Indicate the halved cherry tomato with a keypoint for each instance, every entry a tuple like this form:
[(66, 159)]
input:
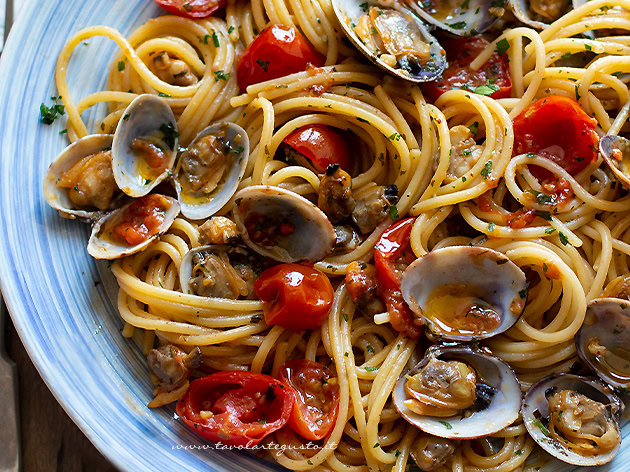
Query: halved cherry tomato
[(191, 8), (558, 129), (294, 296), (142, 219), (316, 397), (321, 145), (460, 53), (392, 255), (236, 408), (276, 52)]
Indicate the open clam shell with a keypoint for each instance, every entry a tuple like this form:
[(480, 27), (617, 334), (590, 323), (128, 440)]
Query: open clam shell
[(501, 411), (58, 197), (210, 170), (616, 152), (536, 411), (283, 225), (465, 293), (457, 17), (540, 13), (145, 145), (392, 37), (106, 243), (603, 341)]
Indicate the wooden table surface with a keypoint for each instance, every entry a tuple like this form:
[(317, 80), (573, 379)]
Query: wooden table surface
[(51, 442)]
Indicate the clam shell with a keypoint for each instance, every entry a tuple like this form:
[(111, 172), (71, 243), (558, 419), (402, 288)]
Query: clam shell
[(502, 411), (143, 117), (100, 246), (497, 281), (607, 319), (209, 204), (535, 406), (313, 237), (521, 10), (349, 11), (609, 146), (57, 197), (463, 19)]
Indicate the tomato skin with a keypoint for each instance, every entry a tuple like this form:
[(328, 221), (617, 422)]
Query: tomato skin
[(193, 9), (520, 218), (556, 128), (460, 53), (311, 380), (246, 407), (321, 145), (393, 250), (294, 296), (142, 219), (284, 50)]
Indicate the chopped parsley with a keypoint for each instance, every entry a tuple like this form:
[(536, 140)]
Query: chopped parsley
[(263, 64), (364, 6), (474, 127), (550, 230), (170, 134), (230, 29), (345, 317), (121, 66), (541, 427), (371, 369), (563, 238), (485, 172), (238, 150), (502, 46), (486, 89), (220, 75), (215, 39), (523, 293), (369, 349), (446, 425), (50, 114), (394, 137), (457, 26), (393, 212), (491, 226)]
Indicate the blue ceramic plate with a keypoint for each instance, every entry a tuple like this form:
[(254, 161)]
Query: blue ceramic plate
[(62, 301)]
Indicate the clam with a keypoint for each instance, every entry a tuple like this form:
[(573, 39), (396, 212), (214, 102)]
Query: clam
[(574, 419), (457, 17), (66, 185), (541, 13), (145, 145), (282, 225), (603, 341), (458, 392), (132, 227), (392, 37), (220, 271), (210, 170), (465, 293), (616, 152)]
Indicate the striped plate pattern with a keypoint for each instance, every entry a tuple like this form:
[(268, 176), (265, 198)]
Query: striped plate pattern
[(63, 302)]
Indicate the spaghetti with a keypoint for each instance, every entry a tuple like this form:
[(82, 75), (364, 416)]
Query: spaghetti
[(570, 251)]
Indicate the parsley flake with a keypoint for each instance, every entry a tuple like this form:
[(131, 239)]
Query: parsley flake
[(263, 64), (502, 46)]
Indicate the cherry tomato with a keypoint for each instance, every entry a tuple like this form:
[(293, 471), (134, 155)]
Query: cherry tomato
[(460, 53), (392, 255), (316, 396), (558, 129), (321, 145), (142, 219), (520, 218), (294, 296), (236, 408), (191, 8), (276, 52)]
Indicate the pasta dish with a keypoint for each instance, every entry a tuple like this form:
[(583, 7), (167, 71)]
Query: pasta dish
[(372, 234)]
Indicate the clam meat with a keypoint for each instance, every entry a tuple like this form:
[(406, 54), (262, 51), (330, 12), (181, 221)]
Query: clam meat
[(210, 169), (392, 37), (603, 341), (574, 419), (458, 392), (220, 271), (283, 225), (465, 293), (540, 13), (80, 182)]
